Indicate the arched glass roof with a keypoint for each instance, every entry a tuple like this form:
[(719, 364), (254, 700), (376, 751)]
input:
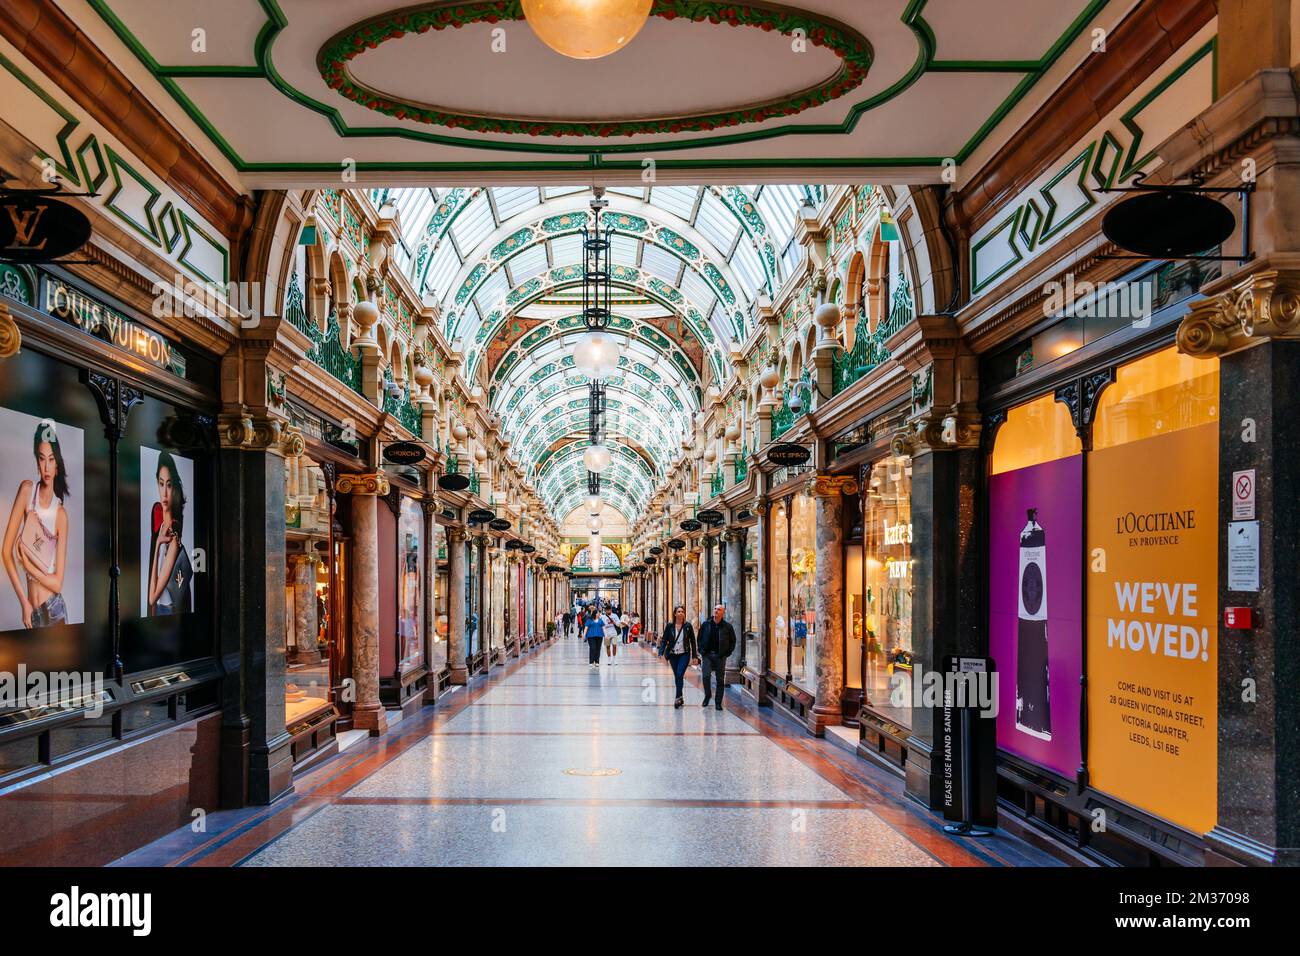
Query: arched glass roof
[(689, 263)]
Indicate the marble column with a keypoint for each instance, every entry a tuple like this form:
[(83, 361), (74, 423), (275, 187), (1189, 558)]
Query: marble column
[(733, 594), (457, 612), (256, 755), (517, 601), (828, 492), (304, 609), (367, 711)]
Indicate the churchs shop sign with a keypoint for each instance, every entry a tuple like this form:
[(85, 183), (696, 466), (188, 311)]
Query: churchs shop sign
[(77, 307)]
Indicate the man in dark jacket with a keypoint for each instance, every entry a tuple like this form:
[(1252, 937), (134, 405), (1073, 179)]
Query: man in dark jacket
[(717, 640), (679, 649)]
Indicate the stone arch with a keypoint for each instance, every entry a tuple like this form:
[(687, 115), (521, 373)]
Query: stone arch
[(876, 291), (853, 296)]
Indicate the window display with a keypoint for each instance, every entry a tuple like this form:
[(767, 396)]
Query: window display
[(886, 597), (853, 616), (778, 614), (751, 617), (803, 592), (410, 592), (1035, 565), (441, 600), (1153, 615)]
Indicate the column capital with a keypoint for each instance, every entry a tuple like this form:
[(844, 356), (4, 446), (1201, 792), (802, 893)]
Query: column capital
[(456, 535), (297, 560), (739, 534), (832, 486), (11, 337), (1263, 305), (250, 432), (368, 484), (430, 506)]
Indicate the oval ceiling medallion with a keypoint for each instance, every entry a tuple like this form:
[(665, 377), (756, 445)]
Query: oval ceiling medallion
[(844, 53)]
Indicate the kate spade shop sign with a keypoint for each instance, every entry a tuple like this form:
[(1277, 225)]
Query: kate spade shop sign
[(77, 307)]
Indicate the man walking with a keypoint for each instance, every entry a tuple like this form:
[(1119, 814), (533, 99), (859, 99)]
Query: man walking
[(716, 642)]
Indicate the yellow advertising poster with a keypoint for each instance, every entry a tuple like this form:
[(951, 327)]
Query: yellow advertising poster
[(1152, 541)]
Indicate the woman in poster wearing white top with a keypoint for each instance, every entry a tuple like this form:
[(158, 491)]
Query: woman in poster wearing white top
[(36, 536)]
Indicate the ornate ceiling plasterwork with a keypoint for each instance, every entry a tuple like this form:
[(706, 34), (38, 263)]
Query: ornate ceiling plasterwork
[(287, 88), (851, 48)]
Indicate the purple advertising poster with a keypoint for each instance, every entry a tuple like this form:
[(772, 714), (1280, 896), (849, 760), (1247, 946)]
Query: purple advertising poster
[(1035, 629)]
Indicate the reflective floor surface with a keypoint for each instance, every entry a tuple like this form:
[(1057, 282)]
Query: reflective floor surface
[(548, 762)]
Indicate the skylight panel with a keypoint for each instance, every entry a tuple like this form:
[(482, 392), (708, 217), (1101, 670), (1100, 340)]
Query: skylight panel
[(624, 250), (530, 262), (554, 192), (566, 251), (678, 200), (442, 269), (473, 226), (660, 263), (748, 267), (697, 290), (717, 223), (513, 200)]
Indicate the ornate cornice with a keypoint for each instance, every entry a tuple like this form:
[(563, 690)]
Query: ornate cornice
[(11, 337), (1264, 305), (368, 484), (832, 486)]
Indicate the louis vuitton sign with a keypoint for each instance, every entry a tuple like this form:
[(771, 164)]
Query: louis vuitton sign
[(76, 307)]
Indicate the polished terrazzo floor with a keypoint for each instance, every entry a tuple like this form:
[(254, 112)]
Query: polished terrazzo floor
[(548, 762)]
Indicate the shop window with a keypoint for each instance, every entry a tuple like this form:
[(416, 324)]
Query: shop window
[(1152, 622), (886, 597), (854, 619), (410, 589), (308, 603), (441, 600), (778, 614), (803, 592), (1034, 567)]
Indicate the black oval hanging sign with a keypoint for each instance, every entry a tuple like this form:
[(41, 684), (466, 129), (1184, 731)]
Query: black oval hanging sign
[(711, 516), (499, 524), (787, 454), (480, 515), (690, 524), (1169, 224), (677, 544), (453, 481), (37, 228), (528, 548), (404, 453)]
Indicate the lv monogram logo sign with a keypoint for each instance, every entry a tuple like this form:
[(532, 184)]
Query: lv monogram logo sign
[(37, 228)]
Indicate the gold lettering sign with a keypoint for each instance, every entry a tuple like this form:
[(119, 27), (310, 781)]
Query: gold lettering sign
[(94, 318)]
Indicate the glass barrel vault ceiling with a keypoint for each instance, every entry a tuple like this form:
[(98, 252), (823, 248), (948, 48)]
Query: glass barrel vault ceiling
[(689, 263)]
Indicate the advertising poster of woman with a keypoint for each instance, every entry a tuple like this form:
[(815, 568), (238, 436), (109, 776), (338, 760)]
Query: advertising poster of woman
[(166, 533), (41, 480), (409, 534)]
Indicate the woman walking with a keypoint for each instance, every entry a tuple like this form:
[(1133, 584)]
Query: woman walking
[(678, 648), (594, 629)]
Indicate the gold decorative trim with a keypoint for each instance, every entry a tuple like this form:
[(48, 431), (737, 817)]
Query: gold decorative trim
[(832, 486), (11, 337), (234, 431), (292, 443), (1264, 305), (370, 484), (298, 559)]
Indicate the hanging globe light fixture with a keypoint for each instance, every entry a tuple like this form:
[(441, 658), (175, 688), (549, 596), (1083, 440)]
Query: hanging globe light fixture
[(594, 523), (596, 354), (596, 458), (593, 502), (586, 29)]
